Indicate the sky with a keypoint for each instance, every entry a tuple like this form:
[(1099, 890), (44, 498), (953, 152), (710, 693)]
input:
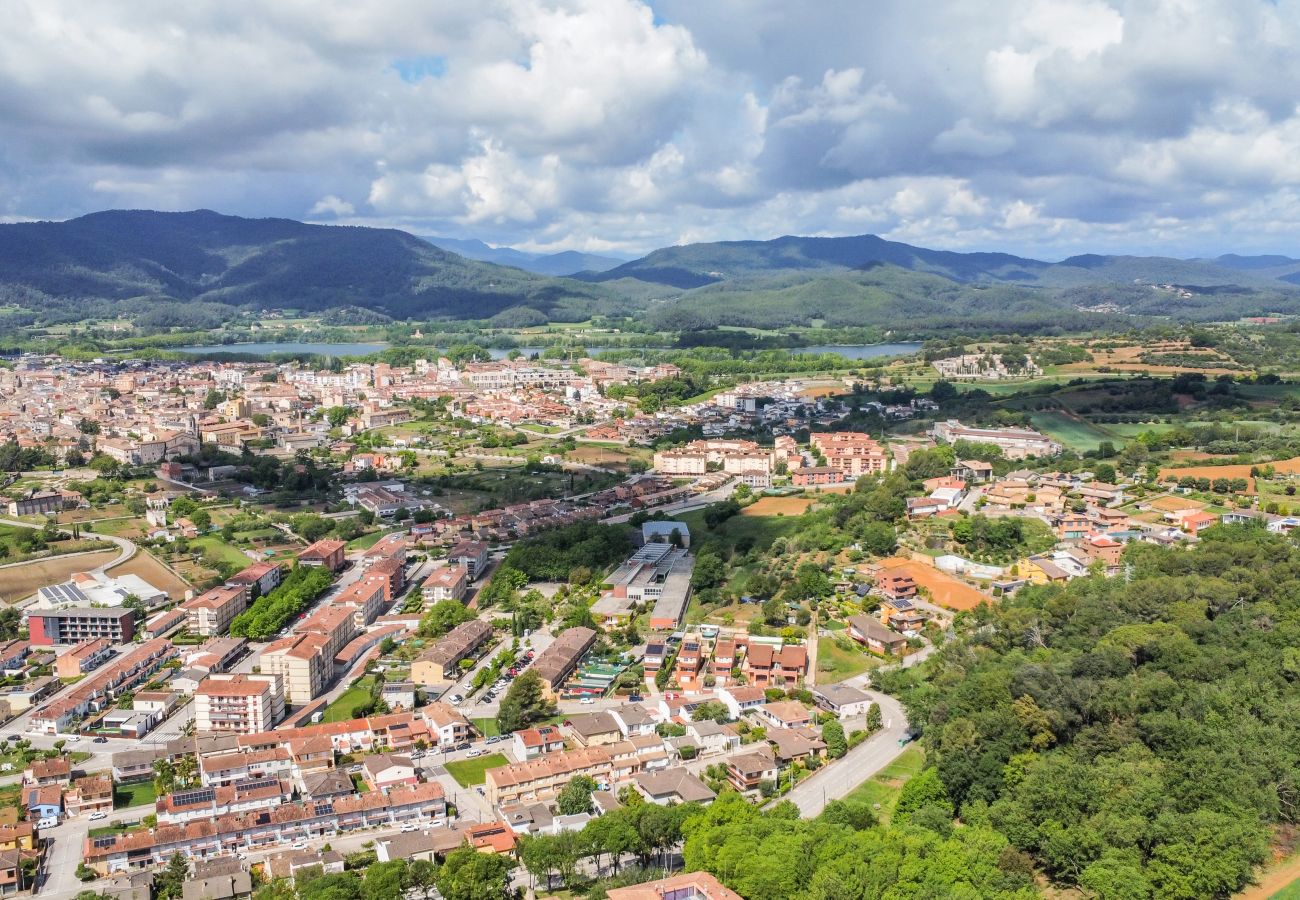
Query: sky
[(1040, 127)]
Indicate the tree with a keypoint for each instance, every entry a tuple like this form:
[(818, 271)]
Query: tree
[(202, 519), (169, 883), (337, 415), (443, 616), (384, 880), (855, 814), (836, 743), (575, 797), (470, 875), (878, 538), (523, 704), (875, 720)]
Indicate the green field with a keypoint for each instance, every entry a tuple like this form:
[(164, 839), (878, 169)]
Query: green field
[(220, 550), (486, 727), (885, 785), (1076, 434), (836, 664), (469, 772), (125, 795), (341, 709), (757, 531)]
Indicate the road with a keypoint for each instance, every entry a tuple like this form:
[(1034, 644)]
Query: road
[(126, 549), (691, 503), (838, 779)]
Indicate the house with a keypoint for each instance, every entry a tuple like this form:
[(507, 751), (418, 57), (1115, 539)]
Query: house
[(327, 784), (687, 886), (44, 802), (383, 771), (792, 744), (896, 584), (11, 873), (739, 699), (785, 714), (766, 666), (41, 772), (634, 719), (324, 553), (398, 694), (842, 699), (288, 863), (746, 771), (91, 793), (973, 471), (83, 658), (711, 738), (231, 886), (533, 742), (877, 638), (902, 615), (1196, 522), (675, 785), (590, 729), (446, 723)]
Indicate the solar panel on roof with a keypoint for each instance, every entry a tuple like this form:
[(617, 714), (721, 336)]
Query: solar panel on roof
[(186, 798)]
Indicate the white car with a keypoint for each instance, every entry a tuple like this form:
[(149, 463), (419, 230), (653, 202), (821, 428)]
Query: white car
[(300, 845), (477, 751), (73, 738), (408, 827), (587, 701), (96, 816)]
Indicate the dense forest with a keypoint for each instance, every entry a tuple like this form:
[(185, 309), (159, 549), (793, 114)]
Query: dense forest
[(1137, 736)]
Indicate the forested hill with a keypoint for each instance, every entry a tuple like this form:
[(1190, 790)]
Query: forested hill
[(272, 263), (1136, 736), (697, 265)]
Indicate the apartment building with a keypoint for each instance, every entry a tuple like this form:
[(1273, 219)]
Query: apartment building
[(83, 658), (472, 555), (336, 623), (303, 663), (851, 452), (241, 704), (557, 662), (441, 662), (364, 600), (325, 553), (257, 831), (544, 777), (390, 574), (57, 627), (446, 583), (261, 578), (211, 613), (449, 725)]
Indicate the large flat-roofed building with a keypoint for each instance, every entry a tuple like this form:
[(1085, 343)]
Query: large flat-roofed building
[(238, 704), (557, 662), (441, 662), (1015, 443), (74, 626), (98, 589), (657, 573)]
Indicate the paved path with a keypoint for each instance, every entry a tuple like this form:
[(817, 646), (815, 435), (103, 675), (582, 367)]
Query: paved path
[(839, 778), (126, 549)]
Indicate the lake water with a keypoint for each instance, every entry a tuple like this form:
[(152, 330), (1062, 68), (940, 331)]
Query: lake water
[(270, 347), (864, 351)]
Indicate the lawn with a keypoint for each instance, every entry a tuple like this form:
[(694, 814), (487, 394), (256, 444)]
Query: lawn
[(1290, 892), (756, 531), (125, 795), (116, 828), (885, 785), (220, 550), (468, 772), (486, 727), (341, 709), (834, 663)]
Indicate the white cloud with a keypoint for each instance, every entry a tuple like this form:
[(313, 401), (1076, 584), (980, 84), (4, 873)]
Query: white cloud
[(1035, 125)]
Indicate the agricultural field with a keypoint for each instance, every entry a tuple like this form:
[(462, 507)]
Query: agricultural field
[(944, 589), (146, 566), (1075, 433), (22, 581), (778, 506)]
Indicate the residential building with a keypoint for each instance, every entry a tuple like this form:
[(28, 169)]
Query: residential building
[(83, 658), (544, 777), (687, 886), (449, 726), (325, 553), (842, 699), (767, 666), (75, 626), (557, 662), (211, 613), (785, 714), (675, 785), (471, 555), (877, 638), (441, 662), (531, 743), (445, 583), (243, 704), (261, 578), (746, 771), (303, 663)]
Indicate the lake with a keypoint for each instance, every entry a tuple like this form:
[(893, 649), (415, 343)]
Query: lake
[(864, 351), (269, 347)]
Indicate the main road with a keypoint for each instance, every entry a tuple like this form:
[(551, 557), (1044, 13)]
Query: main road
[(840, 778)]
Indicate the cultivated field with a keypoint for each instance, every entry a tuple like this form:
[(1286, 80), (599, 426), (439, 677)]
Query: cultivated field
[(1285, 467), (151, 570), (22, 581), (778, 506), (1075, 433)]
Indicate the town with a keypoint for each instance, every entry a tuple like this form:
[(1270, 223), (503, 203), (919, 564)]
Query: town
[(277, 623)]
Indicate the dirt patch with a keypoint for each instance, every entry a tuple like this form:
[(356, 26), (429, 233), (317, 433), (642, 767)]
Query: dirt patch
[(945, 590), (151, 570), (776, 506), (22, 581), (1284, 467), (1193, 455)]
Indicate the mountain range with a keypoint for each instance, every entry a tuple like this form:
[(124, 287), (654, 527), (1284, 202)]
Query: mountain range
[(81, 265), (567, 262)]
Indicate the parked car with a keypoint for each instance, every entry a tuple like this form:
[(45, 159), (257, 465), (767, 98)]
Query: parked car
[(496, 738), (100, 740), (300, 845), (477, 751), (587, 701), (96, 816), (408, 827), (635, 698), (465, 746), (73, 738)]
